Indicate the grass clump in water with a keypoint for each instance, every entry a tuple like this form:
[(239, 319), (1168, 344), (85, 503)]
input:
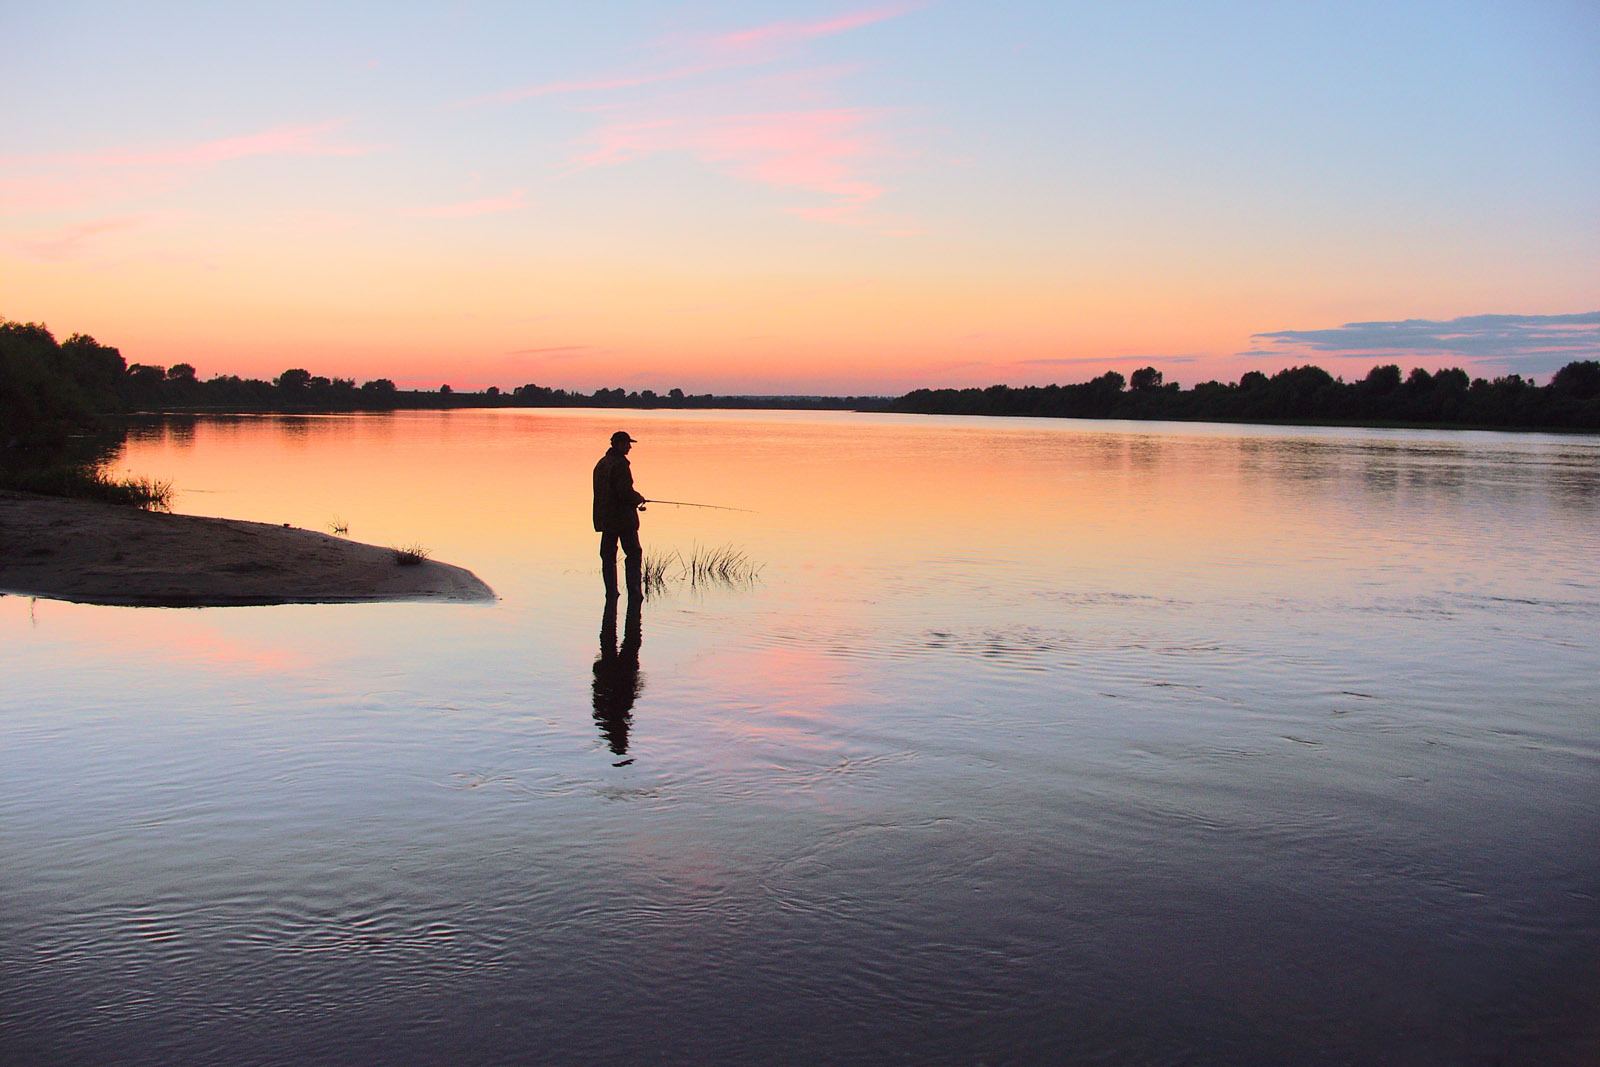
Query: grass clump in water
[(726, 566), (653, 571), (411, 555)]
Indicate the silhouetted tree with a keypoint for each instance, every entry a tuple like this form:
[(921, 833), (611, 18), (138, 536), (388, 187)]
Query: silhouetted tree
[(1382, 380), (96, 368), (144, 383), (40, 405), (1145, 378), (1580, 380)]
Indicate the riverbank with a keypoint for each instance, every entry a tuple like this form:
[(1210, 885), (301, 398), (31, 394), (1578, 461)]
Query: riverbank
[(94, 553)]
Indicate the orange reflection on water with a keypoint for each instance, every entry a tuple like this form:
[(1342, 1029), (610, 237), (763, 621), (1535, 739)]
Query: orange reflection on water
[(793, 691), (176, 638), (826, 496)]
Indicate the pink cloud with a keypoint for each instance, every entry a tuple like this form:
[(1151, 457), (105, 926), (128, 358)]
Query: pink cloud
[(65, 182), (513, 201), (690, 56), (59, 191), (75, 242), (784, 33), (788, 131), (817, 150)]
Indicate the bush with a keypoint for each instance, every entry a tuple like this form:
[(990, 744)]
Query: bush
[(90, 483)]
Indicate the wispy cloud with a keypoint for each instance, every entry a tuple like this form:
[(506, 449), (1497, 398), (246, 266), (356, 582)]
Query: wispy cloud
[(762, 40), (1522, 342), (684, 56), (75, 242), (816, 150), (783, 128), (62, 189), (68, 180), (513, 201)]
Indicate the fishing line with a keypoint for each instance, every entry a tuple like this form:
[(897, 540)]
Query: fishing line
[(686, 504)]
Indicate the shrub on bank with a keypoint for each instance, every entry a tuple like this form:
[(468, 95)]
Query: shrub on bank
[(90, 483)]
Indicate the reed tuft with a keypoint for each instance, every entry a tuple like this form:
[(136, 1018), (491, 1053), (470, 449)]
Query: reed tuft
[(726, 566), (410, 555), (654, 569)]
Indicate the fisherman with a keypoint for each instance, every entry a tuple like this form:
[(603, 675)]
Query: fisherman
[(616, 515)]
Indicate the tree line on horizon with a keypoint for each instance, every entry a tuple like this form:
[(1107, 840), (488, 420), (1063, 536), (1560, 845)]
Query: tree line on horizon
[(1298, 395), (51, 391)]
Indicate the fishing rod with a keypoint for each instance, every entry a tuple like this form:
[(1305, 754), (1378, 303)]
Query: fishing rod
[(686, 504)]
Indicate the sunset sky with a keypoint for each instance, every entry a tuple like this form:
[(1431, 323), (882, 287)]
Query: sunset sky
[(807, 196)]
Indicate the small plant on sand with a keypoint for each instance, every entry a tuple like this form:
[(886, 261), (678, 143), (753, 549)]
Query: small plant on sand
[(339, 527), (410, 555)]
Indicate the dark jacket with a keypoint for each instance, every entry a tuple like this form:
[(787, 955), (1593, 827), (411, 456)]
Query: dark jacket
[(616, 503)]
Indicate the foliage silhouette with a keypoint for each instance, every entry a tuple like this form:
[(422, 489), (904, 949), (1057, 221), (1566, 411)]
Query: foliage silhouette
[(51, 392), (1306, 394)]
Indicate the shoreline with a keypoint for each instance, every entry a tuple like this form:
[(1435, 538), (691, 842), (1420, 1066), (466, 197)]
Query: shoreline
[(89, 552), (1287, 423)]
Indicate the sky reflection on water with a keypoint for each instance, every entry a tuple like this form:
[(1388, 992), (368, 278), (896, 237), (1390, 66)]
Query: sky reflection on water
[(1035, 740)]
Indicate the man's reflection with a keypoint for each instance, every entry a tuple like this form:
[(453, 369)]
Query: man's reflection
[(617, 683)]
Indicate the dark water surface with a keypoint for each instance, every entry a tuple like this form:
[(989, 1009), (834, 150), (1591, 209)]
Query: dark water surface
[(1034, 742)]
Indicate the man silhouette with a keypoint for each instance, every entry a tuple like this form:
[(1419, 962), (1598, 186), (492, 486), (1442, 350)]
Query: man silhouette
[(616, 515)]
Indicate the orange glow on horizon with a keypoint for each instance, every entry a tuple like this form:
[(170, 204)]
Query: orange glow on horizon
[(721, 333)]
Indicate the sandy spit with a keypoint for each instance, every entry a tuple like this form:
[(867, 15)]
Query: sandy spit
[(93, 553)]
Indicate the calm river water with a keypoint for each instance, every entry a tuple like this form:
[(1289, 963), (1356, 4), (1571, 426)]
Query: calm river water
[(1033, 742)]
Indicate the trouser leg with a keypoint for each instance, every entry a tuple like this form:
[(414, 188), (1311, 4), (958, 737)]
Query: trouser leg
[(608, 560), (635, 562)]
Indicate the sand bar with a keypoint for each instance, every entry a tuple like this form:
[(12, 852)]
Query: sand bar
[(94, 553)]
